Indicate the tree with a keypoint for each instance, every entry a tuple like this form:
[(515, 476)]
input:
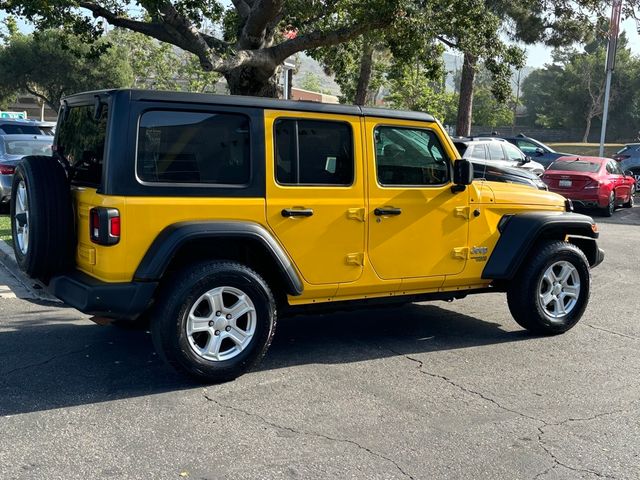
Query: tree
[(569, 92), (251, 44), (52, 63)]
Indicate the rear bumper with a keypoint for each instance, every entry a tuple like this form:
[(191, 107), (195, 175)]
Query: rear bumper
[(114, 300), (589, 200)]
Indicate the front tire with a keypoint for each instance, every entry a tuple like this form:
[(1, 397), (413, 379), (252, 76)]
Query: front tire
[(549, 295), (611, 206), (215, 321), (631, 201)]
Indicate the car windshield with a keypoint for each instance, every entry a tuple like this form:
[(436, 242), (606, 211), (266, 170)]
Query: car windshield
[(27, 147), (575, 166)]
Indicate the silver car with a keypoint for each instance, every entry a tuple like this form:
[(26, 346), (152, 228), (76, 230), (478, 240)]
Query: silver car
[(496, 151), (12, 149)]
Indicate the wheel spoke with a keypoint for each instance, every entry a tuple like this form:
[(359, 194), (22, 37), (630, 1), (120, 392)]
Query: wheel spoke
[(238, 336), (197, 324), (565, 273), (212, 348), (571, 291), (240, 308), (549, 276), (215, 299), (559, 306), (546, 298)]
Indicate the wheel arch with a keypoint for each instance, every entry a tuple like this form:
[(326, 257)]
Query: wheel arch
[(519, 233), (187, 242)]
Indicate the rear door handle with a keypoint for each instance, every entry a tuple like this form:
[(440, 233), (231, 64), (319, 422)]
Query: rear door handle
[(383, 212), (297, 212)]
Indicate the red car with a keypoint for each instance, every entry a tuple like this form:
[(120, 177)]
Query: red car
[(591, 182)]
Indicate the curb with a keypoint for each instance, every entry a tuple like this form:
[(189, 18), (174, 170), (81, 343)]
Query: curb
[(37, 289)]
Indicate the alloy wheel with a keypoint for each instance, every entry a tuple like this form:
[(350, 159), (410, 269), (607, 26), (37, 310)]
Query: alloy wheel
[(559, 289)]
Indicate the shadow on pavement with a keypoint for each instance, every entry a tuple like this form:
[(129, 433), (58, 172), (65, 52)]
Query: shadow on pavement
[(46, 365), (622, 216)]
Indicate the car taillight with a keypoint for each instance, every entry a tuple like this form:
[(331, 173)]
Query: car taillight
[(7, 169), (592, 185), (104, 225)]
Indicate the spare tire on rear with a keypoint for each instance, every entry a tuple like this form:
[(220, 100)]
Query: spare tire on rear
[(42, 217)]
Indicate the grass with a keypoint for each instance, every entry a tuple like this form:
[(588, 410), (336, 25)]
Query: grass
[(586, 149), (5, 229)]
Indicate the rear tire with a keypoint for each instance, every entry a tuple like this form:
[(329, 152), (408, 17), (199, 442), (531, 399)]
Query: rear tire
[(199, 327), (43, 232), (538, 296)]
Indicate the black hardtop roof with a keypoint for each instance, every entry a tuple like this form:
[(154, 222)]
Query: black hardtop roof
[(255, 102)]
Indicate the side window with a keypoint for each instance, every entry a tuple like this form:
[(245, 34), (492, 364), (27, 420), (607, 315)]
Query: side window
[(495, 151), (512, 152), (193, 147), (527, 147), (479, 152), (612, 168), (409, 156), (313, 152)]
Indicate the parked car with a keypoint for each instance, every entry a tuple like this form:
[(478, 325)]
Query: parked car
[(213, 215), (591, 182), (535, 149), (492, 172), (629, 159), (12, 149), (497, 151)]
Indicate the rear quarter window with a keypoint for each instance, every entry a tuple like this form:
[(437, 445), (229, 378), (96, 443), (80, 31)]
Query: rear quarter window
[(181, 147)]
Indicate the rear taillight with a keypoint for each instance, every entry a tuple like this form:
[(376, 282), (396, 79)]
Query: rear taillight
[(104, 225), (7, 169)]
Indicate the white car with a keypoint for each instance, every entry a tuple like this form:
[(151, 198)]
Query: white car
[(497, 151)]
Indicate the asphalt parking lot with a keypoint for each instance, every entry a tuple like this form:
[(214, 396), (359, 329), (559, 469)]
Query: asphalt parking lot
[(441, 390)]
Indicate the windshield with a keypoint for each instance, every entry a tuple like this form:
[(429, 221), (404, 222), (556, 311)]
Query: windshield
[(27, 147), (575, 166), (80, 142)]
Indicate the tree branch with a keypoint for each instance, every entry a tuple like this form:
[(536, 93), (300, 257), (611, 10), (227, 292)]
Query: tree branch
[(242, 8), (447, 42), (282, 51), (150, 29), (35, 93), (261, 16)]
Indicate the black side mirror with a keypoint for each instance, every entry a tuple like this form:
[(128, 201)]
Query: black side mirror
[(539, 151), (462, 175), (526, 159), (628, 173)]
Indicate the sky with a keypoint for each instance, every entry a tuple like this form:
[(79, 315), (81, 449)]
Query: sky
[(537, 55)]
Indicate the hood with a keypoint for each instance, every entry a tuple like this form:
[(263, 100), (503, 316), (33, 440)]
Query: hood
[(516, 194)]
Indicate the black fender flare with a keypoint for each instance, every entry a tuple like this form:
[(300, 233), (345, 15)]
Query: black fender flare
[(520, 232), (173, 237)]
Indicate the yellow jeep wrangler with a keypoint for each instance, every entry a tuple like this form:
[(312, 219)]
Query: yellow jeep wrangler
[(211, 215)]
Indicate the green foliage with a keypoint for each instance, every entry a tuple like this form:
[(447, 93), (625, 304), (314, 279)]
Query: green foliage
[(569, 92), (311, 82), (52, 63)]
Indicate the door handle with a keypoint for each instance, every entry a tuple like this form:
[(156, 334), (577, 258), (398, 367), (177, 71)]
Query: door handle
[(383, 212), (297, 212)]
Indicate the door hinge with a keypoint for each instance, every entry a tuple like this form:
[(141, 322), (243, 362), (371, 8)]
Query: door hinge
[(462, 212), (461, 252), (356, 214), (355, 259)]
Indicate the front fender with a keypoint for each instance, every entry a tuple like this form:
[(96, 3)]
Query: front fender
[(520, 232)]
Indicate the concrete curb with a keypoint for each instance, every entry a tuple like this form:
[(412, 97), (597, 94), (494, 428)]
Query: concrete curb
[(36, 288)]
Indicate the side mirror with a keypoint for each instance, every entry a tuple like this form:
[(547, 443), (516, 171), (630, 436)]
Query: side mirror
[(539, 151), (628, 173), (526, 159), (462, 175)]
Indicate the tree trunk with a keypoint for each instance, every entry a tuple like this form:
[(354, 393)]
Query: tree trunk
[(254, 82), (366, 66), (465, 103), (587, 130)]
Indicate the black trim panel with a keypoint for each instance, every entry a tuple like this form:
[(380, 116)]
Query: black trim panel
[(114, 300), (519, 233), (169, 241)]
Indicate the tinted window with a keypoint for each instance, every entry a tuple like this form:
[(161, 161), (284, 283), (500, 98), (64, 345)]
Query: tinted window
[(312, 152), (513, 153), (527, 147), (409, 156), (479, 152), (80, 141), (614, 169), (461, 147), (20, 129), (495, 151), (575, 166), (193, 147)]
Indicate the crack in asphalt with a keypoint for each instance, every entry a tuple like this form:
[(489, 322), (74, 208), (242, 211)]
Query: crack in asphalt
[(540, 428), (612, 332), (312, 434)]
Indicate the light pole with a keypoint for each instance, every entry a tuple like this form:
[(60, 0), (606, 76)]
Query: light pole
[(614, 30)]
